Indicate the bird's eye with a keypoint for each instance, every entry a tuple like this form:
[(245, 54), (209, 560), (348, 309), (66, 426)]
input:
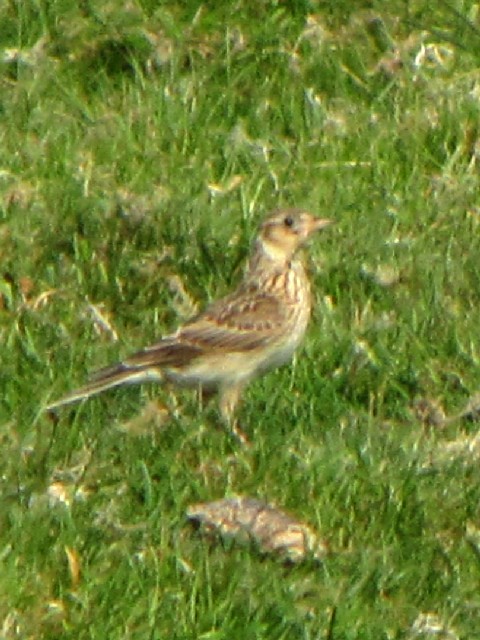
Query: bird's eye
[(288, 221)]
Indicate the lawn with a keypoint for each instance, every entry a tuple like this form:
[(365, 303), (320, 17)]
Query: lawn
[(140, 145)]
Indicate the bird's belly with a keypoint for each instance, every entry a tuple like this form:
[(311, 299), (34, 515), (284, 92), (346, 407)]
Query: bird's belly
[(231, 368), (216, 370)]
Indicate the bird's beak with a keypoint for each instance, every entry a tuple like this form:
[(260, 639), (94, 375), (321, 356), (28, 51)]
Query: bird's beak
[(319, 223)]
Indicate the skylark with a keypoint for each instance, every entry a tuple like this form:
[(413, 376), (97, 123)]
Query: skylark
[(255, 328)]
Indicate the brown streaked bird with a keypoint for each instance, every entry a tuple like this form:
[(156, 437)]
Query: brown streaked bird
[(240, 336)]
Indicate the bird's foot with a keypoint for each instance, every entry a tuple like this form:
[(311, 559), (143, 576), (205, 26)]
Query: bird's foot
[(240, 435)]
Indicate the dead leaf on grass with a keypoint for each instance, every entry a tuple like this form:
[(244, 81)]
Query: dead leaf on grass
[(429, 625), (429, 412), (153, 417), (248, 519)]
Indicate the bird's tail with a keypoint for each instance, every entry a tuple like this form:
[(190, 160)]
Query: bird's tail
[(109, 378)]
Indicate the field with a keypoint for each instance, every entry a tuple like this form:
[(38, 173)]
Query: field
[(141, 143)]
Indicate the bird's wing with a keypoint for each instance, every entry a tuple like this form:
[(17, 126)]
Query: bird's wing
[(167, 352), (237, 323)]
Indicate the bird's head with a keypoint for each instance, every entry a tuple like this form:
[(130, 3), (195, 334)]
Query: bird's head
[(284, 231)]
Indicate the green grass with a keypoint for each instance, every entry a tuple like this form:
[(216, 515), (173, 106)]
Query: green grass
[(142, 142)]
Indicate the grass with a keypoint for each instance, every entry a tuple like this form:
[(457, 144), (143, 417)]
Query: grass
[(140, 146)]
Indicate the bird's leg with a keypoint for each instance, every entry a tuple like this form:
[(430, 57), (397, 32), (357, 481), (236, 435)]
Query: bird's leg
[(229, 397), (204, 396)]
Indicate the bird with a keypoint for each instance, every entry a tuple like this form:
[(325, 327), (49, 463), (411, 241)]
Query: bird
[(238, 337)]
